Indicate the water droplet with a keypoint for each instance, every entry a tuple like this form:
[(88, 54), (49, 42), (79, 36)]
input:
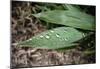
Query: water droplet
[(52, 31), (57, 35), (66, 39), (41, 36), (30, 39), (83, 35), (47, 36)]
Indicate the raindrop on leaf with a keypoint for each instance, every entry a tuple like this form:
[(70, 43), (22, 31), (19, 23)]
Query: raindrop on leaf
[(51, 31), (47, 36), (41, 36), (57, 35)]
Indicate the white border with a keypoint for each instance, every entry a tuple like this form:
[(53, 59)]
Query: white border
[(82, 2), (4, 34), (87, 66)]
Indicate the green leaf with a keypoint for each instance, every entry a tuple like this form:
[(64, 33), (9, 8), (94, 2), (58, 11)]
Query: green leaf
[(71, 7), (74, 19), (54, 39)]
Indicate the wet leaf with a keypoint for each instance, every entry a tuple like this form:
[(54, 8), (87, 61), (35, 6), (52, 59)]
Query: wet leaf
[(74, 19), (55, 38)]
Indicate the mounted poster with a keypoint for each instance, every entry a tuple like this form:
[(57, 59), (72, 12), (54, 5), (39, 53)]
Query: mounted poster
[(45, 34)]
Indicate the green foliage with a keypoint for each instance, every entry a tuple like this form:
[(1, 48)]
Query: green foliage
[(58, 38), (74, 19), (53, 39), (71, 7)]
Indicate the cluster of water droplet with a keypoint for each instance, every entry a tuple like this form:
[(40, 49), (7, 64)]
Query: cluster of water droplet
[(49, 34)]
